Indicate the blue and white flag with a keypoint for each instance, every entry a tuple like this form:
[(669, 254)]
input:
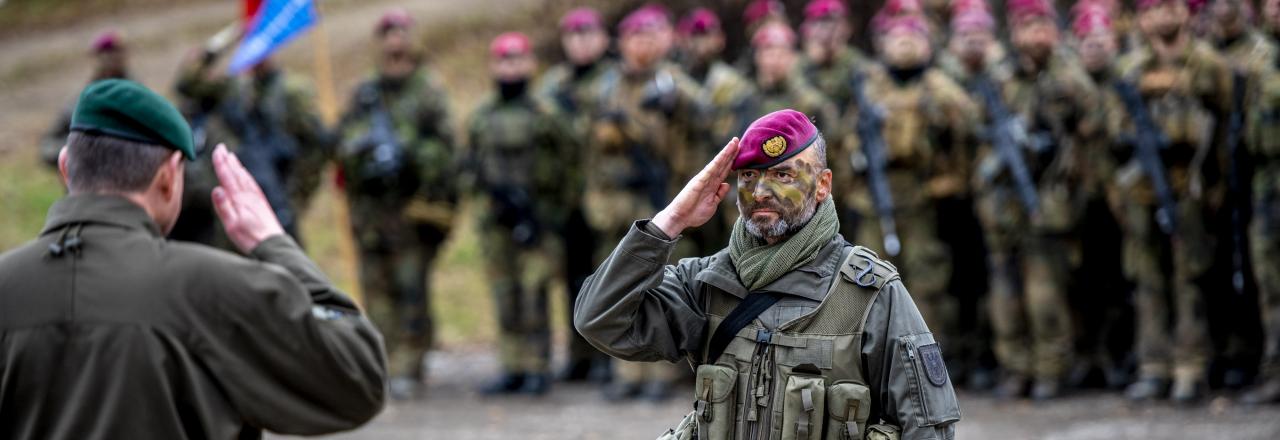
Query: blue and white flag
[(276, 23)]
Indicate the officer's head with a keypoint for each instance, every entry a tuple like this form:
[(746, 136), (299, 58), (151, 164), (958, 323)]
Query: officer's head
[(903, 41), (583, 36), (701, 36), (645, 37), (109, 53), (128, 141), (972, 34), (1162, 19), (1033, 28), (775, 52), (782, 174), (1230, 17), (393, 32), (826, 28), (511, 58), (1095, 39)]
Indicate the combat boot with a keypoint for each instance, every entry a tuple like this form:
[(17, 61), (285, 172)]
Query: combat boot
[(1147, 388), (1046, 389), (1188, 391), (1013, 386), (507, 383), (1267, 391)]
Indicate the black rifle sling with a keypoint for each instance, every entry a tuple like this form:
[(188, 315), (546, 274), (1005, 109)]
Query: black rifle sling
[(746, 311)]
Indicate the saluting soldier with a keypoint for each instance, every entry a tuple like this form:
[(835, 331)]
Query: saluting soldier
[(1186, 87), (397, 161), (794, 332), (569, 87), (517, 149), (111, 331), (928, 126)]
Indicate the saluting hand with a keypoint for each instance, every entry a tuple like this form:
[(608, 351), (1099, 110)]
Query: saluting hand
[(246, 215), (700, 198)]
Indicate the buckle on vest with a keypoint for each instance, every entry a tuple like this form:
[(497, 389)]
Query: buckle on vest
[(866, 276), (763, 336)]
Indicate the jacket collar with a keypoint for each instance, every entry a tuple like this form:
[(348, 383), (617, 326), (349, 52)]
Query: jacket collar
[(810, 281), (99, 209)]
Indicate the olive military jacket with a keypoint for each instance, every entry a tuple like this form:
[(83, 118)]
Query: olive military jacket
[(638, 308), (109, 331)]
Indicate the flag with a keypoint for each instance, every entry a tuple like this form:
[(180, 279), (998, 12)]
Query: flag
[(275, 24)]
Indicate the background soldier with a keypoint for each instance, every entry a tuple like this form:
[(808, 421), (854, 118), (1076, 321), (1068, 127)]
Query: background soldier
[(641, 133), (829, 62), (729, 103), (778, 83), (1263, 143), (569, 87), (973, 49), (396, 158), (1104, 327), (1263, 140), (1031, 246), (927, 127), (273, 118), (1185, 87), (516, 150), (111, 61)]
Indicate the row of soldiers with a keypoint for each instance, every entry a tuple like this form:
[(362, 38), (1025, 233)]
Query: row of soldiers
[(1008, 174)]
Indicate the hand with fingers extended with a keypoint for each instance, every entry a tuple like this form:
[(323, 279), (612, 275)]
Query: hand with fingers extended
[(700, 198), (246, 215)]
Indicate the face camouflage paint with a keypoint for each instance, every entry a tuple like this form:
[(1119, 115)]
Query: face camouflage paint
[(779, 200)]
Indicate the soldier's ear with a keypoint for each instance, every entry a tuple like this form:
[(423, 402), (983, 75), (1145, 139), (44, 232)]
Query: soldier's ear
[(824, 185), (62, 166)]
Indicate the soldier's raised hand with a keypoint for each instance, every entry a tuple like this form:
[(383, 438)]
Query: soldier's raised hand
[(698, 201), (246, 215)]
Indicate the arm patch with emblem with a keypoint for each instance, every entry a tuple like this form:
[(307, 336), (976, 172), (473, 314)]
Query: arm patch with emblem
[(934, 368)]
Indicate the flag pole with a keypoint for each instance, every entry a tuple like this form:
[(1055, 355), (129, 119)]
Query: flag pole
[(328, 103)]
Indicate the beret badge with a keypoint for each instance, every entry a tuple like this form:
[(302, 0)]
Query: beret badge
[(774, 146)]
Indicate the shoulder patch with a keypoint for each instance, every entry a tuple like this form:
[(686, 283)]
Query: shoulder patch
[(934, 367)]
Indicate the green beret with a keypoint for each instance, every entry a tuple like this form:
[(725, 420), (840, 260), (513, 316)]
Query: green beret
[(127, 110)]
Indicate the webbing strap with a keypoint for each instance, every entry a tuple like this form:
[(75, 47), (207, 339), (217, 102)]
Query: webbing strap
[(746, 311)]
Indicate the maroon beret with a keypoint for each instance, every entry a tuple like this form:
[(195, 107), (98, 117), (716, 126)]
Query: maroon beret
[(580, 19), (699, 21), (648, 17), (774, 138), (820, 9)]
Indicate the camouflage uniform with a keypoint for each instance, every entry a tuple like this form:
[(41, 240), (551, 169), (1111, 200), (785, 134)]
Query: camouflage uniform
[(1186, 100), (639, 155), (1031, 258), (516, 150), (279, 109), (929, 121), (569, 89), (834, 79), (1263, 140), (402, 203)]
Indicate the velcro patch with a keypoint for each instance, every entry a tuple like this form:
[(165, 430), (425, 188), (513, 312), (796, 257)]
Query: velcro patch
[(934, 368)]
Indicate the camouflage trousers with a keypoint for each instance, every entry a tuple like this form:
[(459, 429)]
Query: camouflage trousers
[(1264, 242), (1028, 305), (520, 278), (1172, 335), (396, 283), (925, 262)]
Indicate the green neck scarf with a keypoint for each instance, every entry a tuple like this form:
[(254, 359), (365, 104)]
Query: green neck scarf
[(759, 263)]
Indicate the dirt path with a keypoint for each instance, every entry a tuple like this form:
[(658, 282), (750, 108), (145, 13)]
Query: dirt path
[(454, 411)]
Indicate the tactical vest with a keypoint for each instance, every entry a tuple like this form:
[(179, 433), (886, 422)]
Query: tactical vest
[(802, 380)]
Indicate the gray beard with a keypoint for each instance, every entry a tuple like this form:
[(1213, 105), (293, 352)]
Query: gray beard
[(784, 227)]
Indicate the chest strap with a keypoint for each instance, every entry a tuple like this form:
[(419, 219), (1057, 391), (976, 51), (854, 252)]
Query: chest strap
[(746, 311)]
